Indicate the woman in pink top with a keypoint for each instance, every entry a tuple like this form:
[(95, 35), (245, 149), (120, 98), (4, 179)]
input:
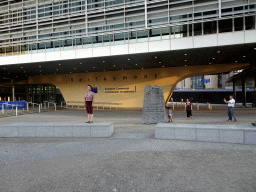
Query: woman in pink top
[(89, 97)]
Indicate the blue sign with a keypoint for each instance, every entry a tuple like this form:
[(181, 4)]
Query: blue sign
[(205, 81), (19, 104)]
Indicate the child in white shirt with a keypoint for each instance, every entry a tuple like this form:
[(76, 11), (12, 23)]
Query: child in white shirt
[(170, 115)]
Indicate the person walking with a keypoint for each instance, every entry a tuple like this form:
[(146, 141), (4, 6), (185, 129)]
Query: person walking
[(231, 104), (89, 97), (188, 108)]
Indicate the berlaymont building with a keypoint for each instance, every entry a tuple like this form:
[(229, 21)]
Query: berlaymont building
[(50, 50)]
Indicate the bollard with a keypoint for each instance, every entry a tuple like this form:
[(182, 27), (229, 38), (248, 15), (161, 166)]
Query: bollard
[(48, 105), (27, 106), (103, 106), (16, 111), (41, 105), (55, 106), (39, 109), (197, 106), (210, 106), (173, 106), (3, 108), (45, 104), (33, 106), (61, 104)]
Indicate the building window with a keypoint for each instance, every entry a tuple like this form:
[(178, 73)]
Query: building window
[(239, 24), (250, 22), (190, 29), (142, 34), (195, 82), (219, 81), (210, 27), (197, 29), (225, 25)]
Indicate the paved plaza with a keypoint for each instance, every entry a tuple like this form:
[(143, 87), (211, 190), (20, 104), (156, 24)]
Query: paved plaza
[(131, 160)]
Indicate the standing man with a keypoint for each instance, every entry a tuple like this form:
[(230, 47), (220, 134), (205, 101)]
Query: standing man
[(231, 105)]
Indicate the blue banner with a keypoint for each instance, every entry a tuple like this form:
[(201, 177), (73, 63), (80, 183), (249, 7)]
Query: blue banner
[(205, 81), (19, 104)]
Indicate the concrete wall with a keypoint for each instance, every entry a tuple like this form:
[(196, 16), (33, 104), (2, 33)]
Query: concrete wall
[(73, 86)]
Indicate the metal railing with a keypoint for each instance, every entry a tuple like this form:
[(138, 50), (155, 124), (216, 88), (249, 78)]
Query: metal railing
[(33, 105), (5, 106), (173, 104), (97, 104), (54, 104)]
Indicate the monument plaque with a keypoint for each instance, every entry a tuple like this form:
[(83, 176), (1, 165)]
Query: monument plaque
[(153, 106)]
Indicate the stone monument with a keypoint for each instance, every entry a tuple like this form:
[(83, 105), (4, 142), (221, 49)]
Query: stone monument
[(153, 107)]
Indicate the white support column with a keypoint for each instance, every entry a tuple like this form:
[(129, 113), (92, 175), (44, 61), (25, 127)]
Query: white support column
[(16, 110), (146, 14), (3, 108), (39, 109), (37, 21), (86, 19), (168, 11), (219, 8)]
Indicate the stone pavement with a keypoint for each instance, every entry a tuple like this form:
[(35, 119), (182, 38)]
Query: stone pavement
[(131, 160)]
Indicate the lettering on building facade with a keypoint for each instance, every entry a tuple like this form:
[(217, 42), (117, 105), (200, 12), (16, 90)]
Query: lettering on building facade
[(119, 90), (114, 78)]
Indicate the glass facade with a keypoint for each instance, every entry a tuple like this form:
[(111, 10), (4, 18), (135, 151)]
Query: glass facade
[(40, 93), (30, 93), (196, 82), (29, 26)]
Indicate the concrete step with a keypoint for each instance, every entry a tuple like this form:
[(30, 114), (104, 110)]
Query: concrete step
[(57, 129), (242, 134)]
